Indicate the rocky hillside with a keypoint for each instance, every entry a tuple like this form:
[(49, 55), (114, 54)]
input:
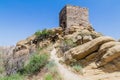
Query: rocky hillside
[(82, 46)]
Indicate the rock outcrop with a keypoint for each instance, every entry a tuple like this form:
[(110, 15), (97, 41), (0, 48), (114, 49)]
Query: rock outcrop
[(25, 48), (84, 50), (81, 36), (104, 51), (111, 54), (20, 55)]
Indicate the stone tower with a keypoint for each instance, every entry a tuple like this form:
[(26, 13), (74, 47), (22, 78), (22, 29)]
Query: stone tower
[(73, 16)]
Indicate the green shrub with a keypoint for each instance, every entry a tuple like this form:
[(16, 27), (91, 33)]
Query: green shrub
[(48, 77), (53, 73), (67, 44), (38, 33), (36, 62), (1, 69), (13, 77), (44, 34), (77, 67), (51, 64)]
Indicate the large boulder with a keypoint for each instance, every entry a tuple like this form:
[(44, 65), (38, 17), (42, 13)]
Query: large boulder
[(110, 55), (104, 47), (84, 50)]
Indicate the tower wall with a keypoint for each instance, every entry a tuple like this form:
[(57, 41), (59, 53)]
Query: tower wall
[(73, 16)]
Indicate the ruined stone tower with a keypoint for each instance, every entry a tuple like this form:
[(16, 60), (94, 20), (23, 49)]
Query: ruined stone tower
[(73, 16)]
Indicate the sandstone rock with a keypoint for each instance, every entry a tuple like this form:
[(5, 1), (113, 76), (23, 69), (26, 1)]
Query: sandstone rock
[(58, 30), (74, 28), (103, 49), (91, 56), (31, 39), (110, 68), (96, 34), (82, 51), (21, 53), (44, 43), (117, 63), (108, 45), (87, 39), (110, 55), (22, 42), (80, 37)]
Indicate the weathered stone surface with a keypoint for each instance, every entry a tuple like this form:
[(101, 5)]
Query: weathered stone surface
[(82, 36), (44, 43), (21, 53), (91, 56), (22, 42), (26, 41), (117, 63), (108, 45), (110, 55), (87, 39), (82, 51), (58, 30), (104, 47)]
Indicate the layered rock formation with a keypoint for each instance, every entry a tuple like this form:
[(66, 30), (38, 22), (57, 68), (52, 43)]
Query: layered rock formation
[(104, 50)]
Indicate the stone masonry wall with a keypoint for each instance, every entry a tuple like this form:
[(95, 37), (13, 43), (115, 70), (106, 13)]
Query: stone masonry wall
[(73, 16)]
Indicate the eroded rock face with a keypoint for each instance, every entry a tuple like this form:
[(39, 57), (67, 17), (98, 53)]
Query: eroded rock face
[(82, 51), (17, 59), (19, 55), (103, 51), (104, 47), (82, 36), (111, 54)]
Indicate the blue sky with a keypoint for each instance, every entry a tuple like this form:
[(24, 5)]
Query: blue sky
[(21, 18)]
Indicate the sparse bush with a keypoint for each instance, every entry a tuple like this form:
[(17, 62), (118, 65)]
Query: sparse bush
[(44, 33), (1, 64), (53, 73), (67, 44), (48, 77), (36, 62), (38, 33), (50, 64), (1, 69), (13, 77), (77, 68), (92, 34)]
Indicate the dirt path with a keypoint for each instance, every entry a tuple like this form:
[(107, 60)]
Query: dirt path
[(65, 73)]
